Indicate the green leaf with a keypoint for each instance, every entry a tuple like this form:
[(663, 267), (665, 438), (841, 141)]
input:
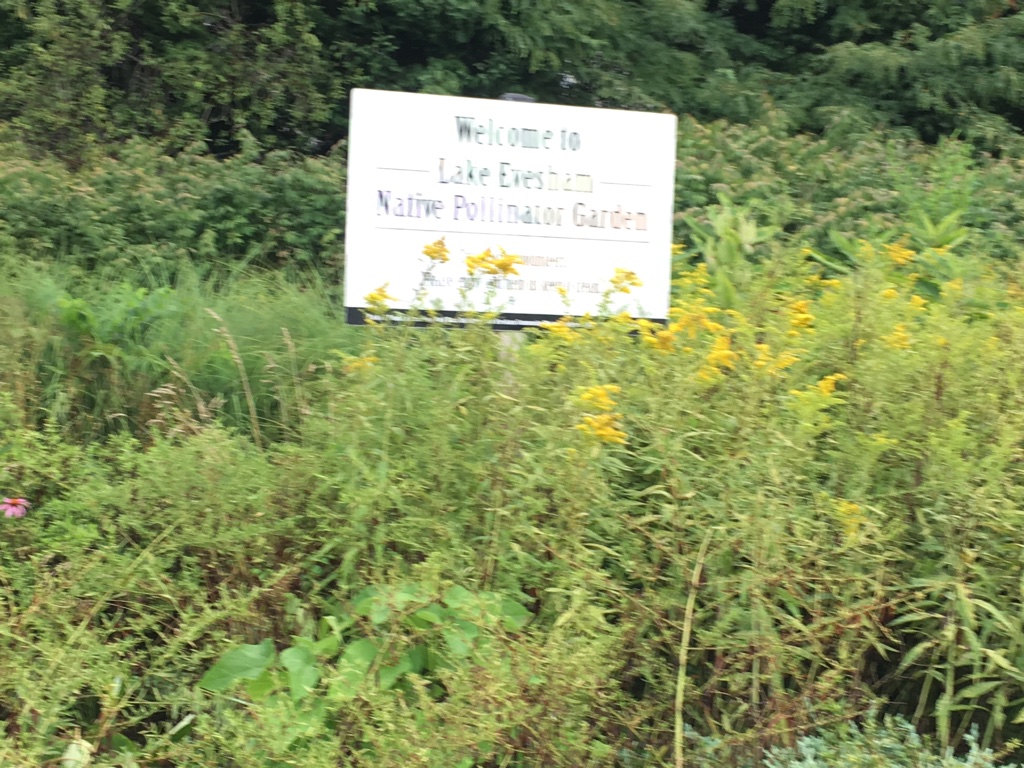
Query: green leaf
[(303, 674), (353, 667), (977, 690), (913, 654), (513, 615), (427, 617), (328, 646), (246, 662), (418, 658), (458, 597), (388, 676)]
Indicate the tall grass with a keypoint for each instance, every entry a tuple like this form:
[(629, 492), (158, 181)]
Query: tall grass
[(97, 356)]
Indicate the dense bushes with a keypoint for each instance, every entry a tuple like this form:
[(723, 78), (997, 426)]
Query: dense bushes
[(140, 213), (83, 73)]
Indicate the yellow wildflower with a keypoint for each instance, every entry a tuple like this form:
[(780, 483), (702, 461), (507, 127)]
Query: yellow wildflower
[(899, 338), (953, 285), (771, 365), (764, 355), (601, 396), (890, 293), (784, 360), (721, 354), (354, 364), (606, 427), (376, 300), (624, 280), (490, 264), (708, 373), (677, 248), (562, 292), (562, 329), (697, 276), (917, 302), (851, 516), (800, 314), (437, 251), (662, 340), (827, 386), (899, 254)]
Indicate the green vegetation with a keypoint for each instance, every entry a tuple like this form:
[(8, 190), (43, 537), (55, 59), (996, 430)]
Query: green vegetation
[(79, 74), (782, 530), (258, 537)]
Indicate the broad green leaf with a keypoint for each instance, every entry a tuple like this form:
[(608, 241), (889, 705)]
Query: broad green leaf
[(246, 662), (418, 658), (328, 646), (458, 597), (388, 676), (261, 687), (427, 617), (514, 615), (303, 674), (353, 667)]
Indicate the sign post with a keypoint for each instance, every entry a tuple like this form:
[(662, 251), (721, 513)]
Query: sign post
[(574, 192)]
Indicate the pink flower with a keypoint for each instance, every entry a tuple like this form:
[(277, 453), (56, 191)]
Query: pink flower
[(14, 507)]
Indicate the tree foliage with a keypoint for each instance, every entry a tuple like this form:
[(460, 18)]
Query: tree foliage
[(77, 72)]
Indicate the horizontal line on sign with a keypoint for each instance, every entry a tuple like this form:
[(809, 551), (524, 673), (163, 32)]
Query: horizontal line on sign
[(515, 234), (406, 170), (506, 321), (623, 184)]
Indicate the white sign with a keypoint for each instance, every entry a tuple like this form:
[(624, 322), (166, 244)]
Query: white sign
[(574, 192)]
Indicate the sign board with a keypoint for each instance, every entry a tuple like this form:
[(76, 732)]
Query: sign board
[(574, 192)]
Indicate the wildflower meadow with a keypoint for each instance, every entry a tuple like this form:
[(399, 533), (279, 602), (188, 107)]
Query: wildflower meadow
[(782, 528)]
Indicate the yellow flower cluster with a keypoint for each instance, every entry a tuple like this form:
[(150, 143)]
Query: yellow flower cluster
[(376, 300), (491, 264), (917, 302), (720, 358), (827, 386), (600, 397), (824, 282), (890, 293), (899, 338), (851, 516), (356, 364), (900, 254), (953, 286), (773, 365), (800, 317), (721, 355), (697, 276), (563, 329), (605, 425), (624, 280), (694, 317), (437, 251)]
